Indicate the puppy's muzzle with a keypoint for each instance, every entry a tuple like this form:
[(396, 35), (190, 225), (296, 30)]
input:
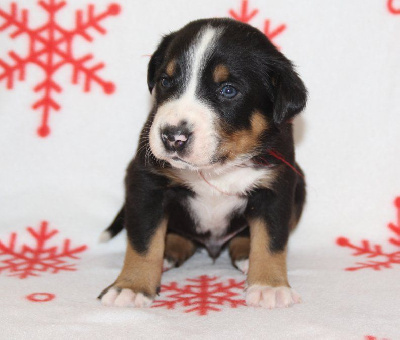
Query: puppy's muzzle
[(176, 137)]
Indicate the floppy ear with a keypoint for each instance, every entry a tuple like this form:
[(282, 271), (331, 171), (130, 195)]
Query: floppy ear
[(156, 60), (290, 94)]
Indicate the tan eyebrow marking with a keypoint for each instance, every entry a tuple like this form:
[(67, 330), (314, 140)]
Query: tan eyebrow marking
[(171, 67), (221, 73)]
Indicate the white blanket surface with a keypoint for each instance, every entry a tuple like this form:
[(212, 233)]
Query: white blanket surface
[(73, 98)]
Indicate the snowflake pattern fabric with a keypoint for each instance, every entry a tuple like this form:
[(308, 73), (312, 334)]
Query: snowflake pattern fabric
[(32, 260), (201, 295), (73, 97), (50, 49), (393, 6), (378, 258), (246, 15)]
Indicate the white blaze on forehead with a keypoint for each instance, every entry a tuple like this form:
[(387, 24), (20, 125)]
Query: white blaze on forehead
[(198, 54), (188, 108)]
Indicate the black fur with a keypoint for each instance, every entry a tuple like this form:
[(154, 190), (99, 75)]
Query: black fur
[(268, 84)]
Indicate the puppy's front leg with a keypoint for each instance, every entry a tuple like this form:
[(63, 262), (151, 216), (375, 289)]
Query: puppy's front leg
[(139, 280), (267, 281), (146, 225)]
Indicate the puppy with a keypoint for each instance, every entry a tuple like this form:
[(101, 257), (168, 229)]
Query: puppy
[(215, 164)]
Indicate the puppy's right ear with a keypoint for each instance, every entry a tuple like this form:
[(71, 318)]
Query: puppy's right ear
[(156, 60)]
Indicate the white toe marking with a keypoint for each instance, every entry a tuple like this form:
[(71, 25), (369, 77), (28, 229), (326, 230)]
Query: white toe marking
[(125, 299), (271, 297), (167, 265), (109, 297), (242, 265), (142, 301)]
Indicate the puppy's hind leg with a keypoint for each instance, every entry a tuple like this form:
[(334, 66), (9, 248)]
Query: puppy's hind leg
[(239, 250), (177, 250)]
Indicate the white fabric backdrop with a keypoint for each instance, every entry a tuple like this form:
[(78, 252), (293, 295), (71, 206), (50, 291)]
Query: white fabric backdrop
[(347, 140)]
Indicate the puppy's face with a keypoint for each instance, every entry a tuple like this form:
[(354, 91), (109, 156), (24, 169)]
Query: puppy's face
[(221, 89)]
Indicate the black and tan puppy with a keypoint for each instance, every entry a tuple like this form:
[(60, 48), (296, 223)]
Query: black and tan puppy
[(215, 164)]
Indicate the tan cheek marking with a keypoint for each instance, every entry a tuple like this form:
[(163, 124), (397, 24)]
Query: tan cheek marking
[(239, 248), (170, 70), (172, 175), (142, 272), (221, 73), (178, 249), (258, 123), (265, 268), (244, 141)]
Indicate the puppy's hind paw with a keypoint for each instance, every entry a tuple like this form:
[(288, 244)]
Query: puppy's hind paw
[(271, 297), (242, 265)]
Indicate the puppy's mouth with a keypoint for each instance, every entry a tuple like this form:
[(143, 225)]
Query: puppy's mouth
[(176, 158), (178, 162)]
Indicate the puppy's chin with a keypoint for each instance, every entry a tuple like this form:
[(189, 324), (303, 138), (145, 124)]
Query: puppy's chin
[(179, 163)]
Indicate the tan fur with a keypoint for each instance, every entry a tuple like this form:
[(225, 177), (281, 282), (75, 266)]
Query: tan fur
[(221, 73), (294, 219), (244, 141), (178, 249), (142, 272), (239, 248), (171, 67), (173, 175), (265, 268)]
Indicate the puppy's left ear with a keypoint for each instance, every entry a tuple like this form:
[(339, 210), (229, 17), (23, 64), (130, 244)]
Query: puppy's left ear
[(290, 94), (157, 60)]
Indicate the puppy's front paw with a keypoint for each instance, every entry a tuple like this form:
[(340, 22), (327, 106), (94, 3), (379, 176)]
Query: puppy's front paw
[(125, 297), (271, 297)]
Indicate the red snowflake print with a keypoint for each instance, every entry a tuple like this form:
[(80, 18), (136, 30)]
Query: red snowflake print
[(371, 337), (40, 297), (382, 259), (50, 49), (245, 15), (202, 295), (31, 260), (392, 8)]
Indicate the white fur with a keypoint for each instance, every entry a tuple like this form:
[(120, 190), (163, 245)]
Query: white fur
[(214, 201), (109, 297), (126, 298), (212, 212), (167, 265), (271, 297), (198, 58), (242, 265), (190, 109), (204, 136), (104, 237)]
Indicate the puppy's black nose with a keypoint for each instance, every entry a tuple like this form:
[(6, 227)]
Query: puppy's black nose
[(175, 137)]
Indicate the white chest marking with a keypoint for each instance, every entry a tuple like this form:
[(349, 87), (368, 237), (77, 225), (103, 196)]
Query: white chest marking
[(211, 208)]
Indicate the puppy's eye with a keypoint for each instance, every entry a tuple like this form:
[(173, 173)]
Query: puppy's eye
[(165, 82), (228, 91)]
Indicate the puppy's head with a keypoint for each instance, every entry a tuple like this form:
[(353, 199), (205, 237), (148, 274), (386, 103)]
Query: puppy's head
[(220, 90)]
